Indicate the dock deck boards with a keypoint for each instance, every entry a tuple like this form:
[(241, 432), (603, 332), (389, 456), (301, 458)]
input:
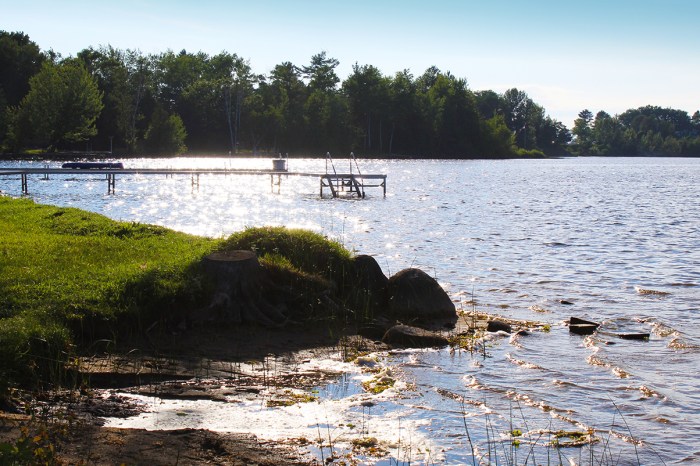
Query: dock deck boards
[(356, 179)]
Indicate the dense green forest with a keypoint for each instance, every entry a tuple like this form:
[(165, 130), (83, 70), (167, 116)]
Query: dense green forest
[(643, 131), (122, 100)]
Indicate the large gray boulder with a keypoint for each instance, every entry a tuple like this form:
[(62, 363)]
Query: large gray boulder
[(415, 295)]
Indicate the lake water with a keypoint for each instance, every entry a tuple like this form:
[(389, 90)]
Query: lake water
[(619, 238)]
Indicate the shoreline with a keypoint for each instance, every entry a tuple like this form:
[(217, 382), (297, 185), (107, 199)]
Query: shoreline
[(174, 344), (63, 156), (73, 421), (198, 364)]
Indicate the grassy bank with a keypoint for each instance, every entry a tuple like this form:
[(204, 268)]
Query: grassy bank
[(70, 278)]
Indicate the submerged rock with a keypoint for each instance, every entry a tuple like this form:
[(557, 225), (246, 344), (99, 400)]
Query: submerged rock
[(633, 336), (375, 329), (413, 337)]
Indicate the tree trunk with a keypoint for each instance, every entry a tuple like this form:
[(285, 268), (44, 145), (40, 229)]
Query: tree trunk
[(368, 141), (391, 139), (227, 106)]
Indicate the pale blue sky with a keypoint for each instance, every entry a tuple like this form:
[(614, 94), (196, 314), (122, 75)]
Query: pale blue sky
[(567, 55)]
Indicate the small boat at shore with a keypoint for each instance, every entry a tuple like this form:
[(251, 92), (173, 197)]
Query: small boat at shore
[(93, 165)]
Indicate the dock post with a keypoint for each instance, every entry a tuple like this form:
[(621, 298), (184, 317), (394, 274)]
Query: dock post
[(25, 185), (278, 184), (273, 184), (111, 183)]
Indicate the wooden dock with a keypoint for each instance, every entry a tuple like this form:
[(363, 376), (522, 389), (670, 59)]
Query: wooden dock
[(348, 185)]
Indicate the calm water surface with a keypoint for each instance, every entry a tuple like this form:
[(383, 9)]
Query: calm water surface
[(618, 238)]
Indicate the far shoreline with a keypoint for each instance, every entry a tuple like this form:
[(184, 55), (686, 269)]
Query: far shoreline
[(98, 155), (69, 156)]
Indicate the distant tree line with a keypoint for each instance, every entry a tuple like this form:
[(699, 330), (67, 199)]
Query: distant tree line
[(168, 103), (643, 131)]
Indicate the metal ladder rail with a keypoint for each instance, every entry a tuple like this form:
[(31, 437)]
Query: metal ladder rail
[(338, 181), (360, 184), (329, 178)]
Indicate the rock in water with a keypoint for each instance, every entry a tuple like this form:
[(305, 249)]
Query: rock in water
[(498, 325), (413, 294), (582, 327), (413, 337), (367, 285)]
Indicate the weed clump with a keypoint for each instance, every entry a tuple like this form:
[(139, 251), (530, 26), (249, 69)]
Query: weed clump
[(297, 249), (306, 273)]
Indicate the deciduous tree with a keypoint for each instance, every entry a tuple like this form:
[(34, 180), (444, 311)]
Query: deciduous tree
[(166, 133), (61, 107), (20, 59)]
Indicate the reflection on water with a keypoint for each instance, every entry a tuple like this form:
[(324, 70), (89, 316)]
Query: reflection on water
[(618, 238)]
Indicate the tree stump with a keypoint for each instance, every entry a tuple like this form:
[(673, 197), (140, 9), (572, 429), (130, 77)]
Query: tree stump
[(232, 266), (239, 295)]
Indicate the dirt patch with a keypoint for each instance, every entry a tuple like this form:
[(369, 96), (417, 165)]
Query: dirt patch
[(85, 443)]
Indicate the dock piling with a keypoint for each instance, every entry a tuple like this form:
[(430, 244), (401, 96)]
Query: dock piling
[(111, 183)]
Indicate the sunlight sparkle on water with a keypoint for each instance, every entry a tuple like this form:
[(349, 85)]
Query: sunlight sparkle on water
[(334, 418)]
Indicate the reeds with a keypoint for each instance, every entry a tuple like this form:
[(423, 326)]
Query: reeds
[(524, 447)]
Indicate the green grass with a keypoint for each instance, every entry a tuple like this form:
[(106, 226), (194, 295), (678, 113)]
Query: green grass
[(69, 278), (303, 262), (302, 250)]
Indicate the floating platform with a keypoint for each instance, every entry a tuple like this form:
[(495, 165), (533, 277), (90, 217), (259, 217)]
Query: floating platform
[(92, 165), (351, 185)]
